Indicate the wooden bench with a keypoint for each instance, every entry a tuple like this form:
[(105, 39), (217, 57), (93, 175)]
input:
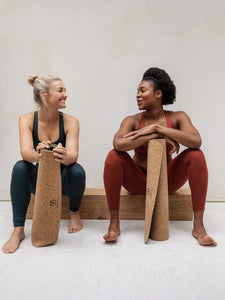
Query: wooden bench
[(132, 207)]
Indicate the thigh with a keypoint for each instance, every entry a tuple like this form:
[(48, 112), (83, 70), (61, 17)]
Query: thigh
[(72, 177), (177, 172), (134, 178)]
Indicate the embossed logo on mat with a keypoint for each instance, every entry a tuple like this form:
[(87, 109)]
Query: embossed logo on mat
[(149, 191), (53, 203)]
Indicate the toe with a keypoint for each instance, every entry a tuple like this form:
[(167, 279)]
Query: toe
[(105, 236), (5, 249), (111, 237)]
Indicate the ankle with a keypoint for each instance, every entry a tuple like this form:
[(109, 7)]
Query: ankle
[(115, 222), (114, 216), (19, 229), (74, 213), (198, 223)]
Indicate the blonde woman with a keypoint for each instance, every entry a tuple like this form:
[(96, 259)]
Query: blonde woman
[(37, 131)]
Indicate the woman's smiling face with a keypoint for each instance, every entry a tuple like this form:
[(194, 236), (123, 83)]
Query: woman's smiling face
[(57, 95), (146, 96)]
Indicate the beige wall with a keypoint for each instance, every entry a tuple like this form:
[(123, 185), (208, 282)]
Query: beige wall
[(101, 49)]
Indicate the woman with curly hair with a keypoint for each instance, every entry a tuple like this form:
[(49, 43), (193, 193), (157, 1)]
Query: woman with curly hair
[(155, 90), (37, 131)]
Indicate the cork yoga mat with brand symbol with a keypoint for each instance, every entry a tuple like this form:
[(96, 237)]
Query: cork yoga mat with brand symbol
[(156, 207), (48, 201)]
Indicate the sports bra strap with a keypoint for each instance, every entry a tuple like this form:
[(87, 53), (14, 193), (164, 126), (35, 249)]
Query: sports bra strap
[(167, 115), (168, 120), (142, 122)]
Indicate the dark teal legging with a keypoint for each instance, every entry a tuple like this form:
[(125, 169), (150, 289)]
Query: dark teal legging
[(23, 183)]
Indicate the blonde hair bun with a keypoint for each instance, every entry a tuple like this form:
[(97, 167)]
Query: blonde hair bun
[(32, 79)]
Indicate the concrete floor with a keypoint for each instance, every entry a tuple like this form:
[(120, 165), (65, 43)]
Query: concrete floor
[(82, 266)]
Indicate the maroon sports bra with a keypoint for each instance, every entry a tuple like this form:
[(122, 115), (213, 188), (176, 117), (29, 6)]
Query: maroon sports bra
[(141, 151)]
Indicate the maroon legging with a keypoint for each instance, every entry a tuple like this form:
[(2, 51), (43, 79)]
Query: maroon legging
[(120, 170)]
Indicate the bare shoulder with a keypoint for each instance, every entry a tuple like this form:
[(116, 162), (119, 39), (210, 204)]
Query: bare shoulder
[(70, 122), (177, 117), (69, 118), (27, 119), (178, 114), (133, 120)]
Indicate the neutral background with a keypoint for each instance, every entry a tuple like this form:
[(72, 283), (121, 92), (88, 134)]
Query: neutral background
[(101, 49)]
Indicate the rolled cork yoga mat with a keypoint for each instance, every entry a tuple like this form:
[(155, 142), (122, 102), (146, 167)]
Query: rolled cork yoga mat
[(157, 208), (48, 201), (155, 151)]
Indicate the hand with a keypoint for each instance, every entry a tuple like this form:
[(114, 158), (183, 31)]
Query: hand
[(60, 153), (42, 145), (143, 131), (174, 146)]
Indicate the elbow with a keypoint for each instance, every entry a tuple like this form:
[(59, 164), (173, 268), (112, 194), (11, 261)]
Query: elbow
[(71, 159), (74, 157), (118, 146), (23, 154), (197, 144)]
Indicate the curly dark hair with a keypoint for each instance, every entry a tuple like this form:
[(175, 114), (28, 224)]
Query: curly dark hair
[(161, 81)]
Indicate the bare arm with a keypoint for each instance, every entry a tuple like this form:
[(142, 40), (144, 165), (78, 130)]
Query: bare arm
[(69, 154), (186, 134), (26, 139), (122, 143)]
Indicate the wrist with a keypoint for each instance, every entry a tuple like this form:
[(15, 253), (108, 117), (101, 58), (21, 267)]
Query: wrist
[(157, 128), (37, 157)]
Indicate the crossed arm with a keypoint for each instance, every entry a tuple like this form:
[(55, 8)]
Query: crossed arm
[(185, 134), (66, 155)]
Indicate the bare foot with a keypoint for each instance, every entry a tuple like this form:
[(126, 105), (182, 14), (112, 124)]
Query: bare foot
[(113, 231), (75, 222), (14, 241), (203, 238)]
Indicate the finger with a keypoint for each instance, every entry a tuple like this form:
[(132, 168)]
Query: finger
[(59, 146), (136, 136), (44, 142), (43, 145), (59, 150), (57, 155), (173, 149), (59, 160), (39, 147), (130, 133)]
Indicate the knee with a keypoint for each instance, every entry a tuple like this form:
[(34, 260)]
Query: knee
[(20, 168), (76, 172), (197, 158), (113, 158)]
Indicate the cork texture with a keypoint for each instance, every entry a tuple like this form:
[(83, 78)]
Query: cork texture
[(48, 201), (155, 152), (156, 208), (160, 220)]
